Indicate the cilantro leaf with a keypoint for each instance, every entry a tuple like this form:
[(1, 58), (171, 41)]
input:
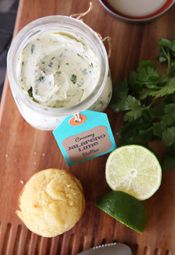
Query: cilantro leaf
[(169, 163), (168, 136), (169, 160), (138, 131), (134, 132), (120, 93), (168, 89), (167, 53), (168, 117), (146, 76), (133, 108), (157, 130)]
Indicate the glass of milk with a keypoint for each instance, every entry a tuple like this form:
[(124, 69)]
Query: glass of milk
[(58, 66)]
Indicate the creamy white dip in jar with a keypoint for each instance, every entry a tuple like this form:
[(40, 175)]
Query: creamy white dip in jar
[(58, 66)]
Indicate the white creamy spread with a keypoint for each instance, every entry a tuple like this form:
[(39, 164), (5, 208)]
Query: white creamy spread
[(58, 69), (137, 7)]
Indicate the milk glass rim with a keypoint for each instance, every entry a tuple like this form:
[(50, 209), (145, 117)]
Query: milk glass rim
[(50, 23)]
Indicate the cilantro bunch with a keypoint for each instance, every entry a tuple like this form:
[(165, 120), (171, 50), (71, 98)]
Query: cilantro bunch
[(147, 100)]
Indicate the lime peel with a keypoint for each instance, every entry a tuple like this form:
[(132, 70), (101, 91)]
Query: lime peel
[(125, 209)]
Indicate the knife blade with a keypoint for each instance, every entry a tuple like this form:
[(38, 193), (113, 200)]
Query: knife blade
[(108, 249)]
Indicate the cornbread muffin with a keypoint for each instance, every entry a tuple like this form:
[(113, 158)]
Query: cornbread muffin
[(51, 202)]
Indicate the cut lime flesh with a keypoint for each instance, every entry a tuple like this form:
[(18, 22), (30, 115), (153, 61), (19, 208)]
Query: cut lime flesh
[(135, 170)]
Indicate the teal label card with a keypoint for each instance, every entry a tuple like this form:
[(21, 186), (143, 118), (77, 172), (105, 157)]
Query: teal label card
[(84, 138)]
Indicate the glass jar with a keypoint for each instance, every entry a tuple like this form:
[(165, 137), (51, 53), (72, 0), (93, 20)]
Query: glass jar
[(48, 118)]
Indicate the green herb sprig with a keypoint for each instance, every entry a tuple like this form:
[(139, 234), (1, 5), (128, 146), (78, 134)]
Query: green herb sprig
[(73, 78), (147, 100)]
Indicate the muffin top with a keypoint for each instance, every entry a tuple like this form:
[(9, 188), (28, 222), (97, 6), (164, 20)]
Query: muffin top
[(51, 202)]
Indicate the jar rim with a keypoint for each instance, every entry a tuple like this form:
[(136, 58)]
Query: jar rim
[(59, 21)]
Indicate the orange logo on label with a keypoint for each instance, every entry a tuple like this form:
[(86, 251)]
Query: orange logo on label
[(76, 122)]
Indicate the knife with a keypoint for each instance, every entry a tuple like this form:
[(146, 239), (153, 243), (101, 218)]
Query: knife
[(108, 249)]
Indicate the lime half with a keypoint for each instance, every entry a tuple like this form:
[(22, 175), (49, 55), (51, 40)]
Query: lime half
[(124, 208), (135, 170)]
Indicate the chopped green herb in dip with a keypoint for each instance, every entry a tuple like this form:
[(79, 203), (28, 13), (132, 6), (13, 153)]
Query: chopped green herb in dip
[(73, 78), (30, 92), (32, 48), (58, 69)]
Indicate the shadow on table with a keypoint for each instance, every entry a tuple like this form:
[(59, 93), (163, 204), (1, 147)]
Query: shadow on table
[(8, 9)]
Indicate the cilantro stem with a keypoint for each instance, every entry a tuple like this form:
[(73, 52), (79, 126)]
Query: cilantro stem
[(152, 102), (168, 60)]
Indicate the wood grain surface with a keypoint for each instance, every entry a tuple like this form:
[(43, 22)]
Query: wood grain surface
[(24, 150)]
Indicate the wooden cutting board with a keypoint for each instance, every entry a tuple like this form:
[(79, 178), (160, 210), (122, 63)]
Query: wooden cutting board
[(24, 150)]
